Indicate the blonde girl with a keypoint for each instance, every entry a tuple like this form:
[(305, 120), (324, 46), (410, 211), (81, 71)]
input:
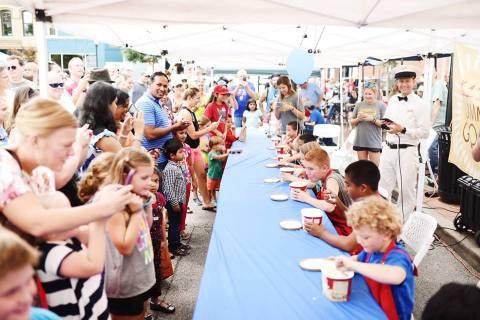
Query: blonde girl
[(130, 273)]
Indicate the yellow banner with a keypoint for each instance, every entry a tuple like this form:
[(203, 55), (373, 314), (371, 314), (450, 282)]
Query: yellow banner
[(465, 109)]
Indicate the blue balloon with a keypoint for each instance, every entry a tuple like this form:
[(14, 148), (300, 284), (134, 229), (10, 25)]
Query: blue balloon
[(299, 65)]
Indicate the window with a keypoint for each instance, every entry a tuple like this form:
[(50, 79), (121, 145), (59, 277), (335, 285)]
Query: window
[(27, 18), (6, 21)]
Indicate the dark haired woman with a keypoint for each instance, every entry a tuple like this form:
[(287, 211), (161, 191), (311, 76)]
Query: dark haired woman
[(97, 111), (287, 108)]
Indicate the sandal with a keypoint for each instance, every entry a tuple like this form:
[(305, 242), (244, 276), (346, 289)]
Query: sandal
[(180, 252), (148, 316), (185, 247), (189, 210), (163, 306), (212, 209), (185, 236)]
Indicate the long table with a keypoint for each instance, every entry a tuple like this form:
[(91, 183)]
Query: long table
[(252, 269)]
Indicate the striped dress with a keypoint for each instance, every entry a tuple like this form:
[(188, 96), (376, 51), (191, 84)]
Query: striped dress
[(70, 298)]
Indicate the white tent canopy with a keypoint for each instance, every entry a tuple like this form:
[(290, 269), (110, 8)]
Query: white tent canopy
[(260, 33)]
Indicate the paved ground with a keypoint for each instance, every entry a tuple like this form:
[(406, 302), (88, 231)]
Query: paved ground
[(438, 267)]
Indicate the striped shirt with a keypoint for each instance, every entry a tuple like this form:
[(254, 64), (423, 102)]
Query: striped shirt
[(174, 184), (70, 298), (154, 115)]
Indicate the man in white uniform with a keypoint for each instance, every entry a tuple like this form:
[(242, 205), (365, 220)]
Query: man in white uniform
[(410, 122)]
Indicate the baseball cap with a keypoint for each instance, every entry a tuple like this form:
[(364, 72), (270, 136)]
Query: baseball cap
[(219, 89)]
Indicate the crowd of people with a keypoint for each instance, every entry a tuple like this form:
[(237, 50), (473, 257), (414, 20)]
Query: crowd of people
[(96, 181)]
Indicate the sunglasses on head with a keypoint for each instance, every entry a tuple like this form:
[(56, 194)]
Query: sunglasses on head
[(56, 85), (11, 68)]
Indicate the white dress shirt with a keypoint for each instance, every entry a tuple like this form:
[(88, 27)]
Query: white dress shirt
[(412, 114)]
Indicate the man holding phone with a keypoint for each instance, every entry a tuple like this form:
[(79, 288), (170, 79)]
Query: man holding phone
[(243, 91), (158, 128), (406, 121)]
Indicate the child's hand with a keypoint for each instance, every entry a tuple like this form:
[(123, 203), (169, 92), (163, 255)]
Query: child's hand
[(300, 195), (314, 229), (331, 197), (136, 203), (343, 263)]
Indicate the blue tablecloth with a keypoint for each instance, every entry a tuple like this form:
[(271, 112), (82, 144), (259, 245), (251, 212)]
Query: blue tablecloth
[(252, 269)]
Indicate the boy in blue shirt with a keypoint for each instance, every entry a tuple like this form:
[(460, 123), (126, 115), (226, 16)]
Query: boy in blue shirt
[(385, 265)]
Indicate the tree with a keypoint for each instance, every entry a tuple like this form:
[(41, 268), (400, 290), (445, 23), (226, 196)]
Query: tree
[(135, 56)]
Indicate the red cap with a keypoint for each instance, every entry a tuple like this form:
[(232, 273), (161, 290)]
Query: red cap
[(220, 90)]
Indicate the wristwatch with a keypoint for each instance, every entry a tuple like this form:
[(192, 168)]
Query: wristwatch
[(404, 130)]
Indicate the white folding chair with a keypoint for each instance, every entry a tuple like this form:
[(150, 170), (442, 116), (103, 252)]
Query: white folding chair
[(418, 234), (327, 131)]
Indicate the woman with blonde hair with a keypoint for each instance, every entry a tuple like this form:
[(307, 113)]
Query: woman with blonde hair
[(366, 118), (46, 133)]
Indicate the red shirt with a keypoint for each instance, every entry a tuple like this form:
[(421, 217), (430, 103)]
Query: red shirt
[(230, 139), (213, 112)]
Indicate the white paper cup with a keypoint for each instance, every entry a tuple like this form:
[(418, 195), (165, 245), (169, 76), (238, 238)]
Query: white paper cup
[(337, 285), (298, 185), (311, 215)]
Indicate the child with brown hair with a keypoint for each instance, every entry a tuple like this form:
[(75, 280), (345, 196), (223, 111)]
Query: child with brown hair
[(216, 157), (161, 258), (317, 168), (384, 263)]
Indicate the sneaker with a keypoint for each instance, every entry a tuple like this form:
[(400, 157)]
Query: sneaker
[(197, 201)]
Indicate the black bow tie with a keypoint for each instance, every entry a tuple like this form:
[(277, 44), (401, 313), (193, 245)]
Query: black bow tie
[(403, 98)]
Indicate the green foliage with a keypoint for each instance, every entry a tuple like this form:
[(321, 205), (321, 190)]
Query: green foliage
[(135, 56)]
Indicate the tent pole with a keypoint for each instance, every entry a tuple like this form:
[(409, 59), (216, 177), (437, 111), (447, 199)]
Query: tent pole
[(427, 84), (340, 142), (41, 41)]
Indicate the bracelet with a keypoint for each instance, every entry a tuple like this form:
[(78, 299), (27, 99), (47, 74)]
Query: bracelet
[(373, 121)]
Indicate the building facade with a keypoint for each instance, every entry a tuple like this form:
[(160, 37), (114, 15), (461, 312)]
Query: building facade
[(17, 35)]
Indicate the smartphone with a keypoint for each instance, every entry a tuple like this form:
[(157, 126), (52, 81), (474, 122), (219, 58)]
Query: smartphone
[(387, 121), (128, 179)]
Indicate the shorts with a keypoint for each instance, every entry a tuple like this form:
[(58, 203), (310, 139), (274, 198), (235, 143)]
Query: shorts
[(129, 306), (213, 184), (355, 148), (197, 155)]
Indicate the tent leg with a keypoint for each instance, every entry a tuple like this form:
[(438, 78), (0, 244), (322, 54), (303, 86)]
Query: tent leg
[(340, 142), (41, 40)]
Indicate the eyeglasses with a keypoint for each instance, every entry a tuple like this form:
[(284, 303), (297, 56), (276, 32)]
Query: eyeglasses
[(56, 85), (11, 68)]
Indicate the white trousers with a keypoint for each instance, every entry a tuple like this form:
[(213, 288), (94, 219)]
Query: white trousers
[(390, 176)]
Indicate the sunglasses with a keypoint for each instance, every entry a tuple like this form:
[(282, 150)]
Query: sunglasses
[(56, 85), (11, 68)]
